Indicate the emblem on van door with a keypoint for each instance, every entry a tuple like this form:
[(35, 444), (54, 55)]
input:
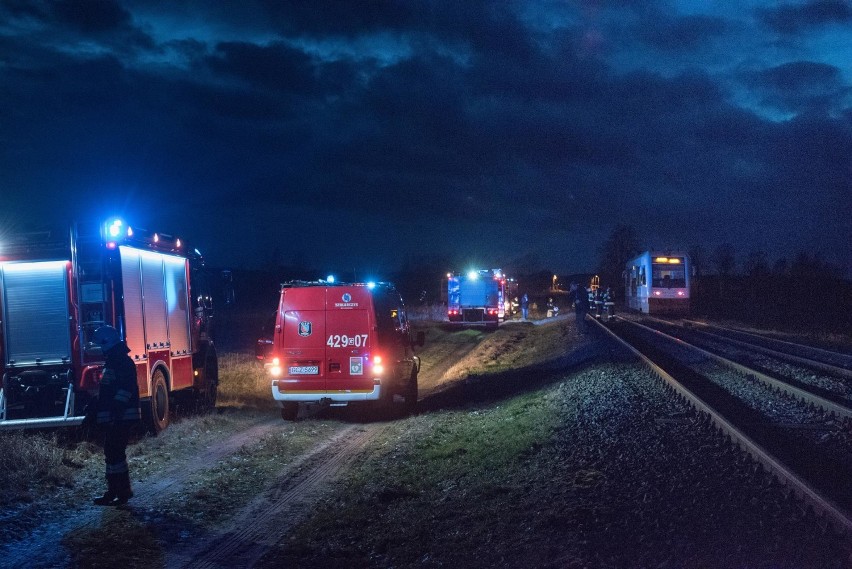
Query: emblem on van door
[(347, 302), (305, 328)]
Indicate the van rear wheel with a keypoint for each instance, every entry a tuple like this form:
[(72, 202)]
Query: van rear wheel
[(411, 394), (289, 411)]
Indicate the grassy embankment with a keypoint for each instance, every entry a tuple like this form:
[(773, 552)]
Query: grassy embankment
[(453, 476)]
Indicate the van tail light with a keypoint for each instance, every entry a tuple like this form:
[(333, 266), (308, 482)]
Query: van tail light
[(275, 369), (378, 368)]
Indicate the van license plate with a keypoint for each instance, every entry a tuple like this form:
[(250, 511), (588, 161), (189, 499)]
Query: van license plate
[(304, 370)]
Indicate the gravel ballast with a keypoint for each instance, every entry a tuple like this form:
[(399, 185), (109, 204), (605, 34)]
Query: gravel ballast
[(628, 476)]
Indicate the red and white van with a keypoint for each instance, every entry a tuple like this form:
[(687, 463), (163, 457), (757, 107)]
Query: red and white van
[(336, 344)]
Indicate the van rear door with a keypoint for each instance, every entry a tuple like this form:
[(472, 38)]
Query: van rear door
[(348, 339), (303, 342)]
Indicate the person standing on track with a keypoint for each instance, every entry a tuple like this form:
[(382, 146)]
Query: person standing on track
[(525, 305), (117, 412), (581, 304)]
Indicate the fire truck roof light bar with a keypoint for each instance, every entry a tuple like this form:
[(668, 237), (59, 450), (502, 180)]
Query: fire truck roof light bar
[(117, 231)]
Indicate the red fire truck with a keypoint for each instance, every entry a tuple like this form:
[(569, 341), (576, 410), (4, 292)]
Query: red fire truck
[(58, 286), (476, 297), (336, 344)]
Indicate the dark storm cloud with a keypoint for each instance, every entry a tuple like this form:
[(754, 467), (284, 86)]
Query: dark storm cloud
[(376, 130), (799, 18), (277, 67), (802, 86), (679, 34), (91, 16)]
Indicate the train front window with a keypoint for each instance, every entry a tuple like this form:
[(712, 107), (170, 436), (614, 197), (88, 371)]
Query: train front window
[(668, 276)]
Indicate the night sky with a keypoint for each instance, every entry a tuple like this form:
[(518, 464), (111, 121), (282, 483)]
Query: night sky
[(366, 134)]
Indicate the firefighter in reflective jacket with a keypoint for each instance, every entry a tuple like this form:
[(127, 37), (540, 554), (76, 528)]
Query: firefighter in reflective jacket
[(609, 304), (118, 412)]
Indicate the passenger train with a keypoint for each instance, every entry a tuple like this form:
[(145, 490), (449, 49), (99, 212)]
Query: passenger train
[(658, 283)]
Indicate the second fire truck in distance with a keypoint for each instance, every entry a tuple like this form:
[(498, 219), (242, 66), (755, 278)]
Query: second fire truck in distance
[(476, 297), (58, 286)]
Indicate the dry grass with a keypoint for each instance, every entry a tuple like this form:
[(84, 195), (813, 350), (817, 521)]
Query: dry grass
[(429, 313), (512, 347), (243, 383), (33, 463)]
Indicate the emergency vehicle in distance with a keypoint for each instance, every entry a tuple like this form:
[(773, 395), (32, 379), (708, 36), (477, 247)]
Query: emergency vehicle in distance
[(58, 286), (340, 343), (658, 283), (476, 297)]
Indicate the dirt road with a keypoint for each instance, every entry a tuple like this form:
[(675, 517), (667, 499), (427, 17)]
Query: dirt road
[(68, 532)]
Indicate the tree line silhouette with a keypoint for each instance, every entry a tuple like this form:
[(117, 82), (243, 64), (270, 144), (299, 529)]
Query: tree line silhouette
[(804, 291)]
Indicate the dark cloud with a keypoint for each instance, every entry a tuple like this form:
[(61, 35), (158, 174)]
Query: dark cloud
[(802, 86), (91, 16), (791, 19), (684, 33), (276, 67), (361, 133)]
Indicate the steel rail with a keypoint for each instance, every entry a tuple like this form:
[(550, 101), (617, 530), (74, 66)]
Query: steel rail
[(803, 394), (787, 477), (815, 364)]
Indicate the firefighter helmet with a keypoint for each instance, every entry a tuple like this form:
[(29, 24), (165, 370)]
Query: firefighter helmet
[(106, 337)]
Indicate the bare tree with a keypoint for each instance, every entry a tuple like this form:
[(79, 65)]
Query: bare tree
[(698, 258), (724, 259), (620, 247), (756, 265)]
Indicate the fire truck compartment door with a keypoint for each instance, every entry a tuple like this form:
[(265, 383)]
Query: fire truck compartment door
[(154, 301), (35, 312), (134, 322), (178, 303)]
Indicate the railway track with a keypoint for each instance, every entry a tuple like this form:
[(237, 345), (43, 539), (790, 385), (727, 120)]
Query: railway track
[(804, 439), (812, 380), (816, 357)]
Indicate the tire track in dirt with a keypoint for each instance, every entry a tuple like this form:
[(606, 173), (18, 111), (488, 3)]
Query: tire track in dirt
[(261, 523), (42, 547), (171, 484)]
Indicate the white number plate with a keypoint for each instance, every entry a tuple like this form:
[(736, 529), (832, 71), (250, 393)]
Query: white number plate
[(343, 341), (304, 370)]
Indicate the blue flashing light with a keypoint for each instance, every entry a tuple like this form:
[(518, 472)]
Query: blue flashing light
[(371, 285), (330, 279), (114, 228), (473, 275)]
